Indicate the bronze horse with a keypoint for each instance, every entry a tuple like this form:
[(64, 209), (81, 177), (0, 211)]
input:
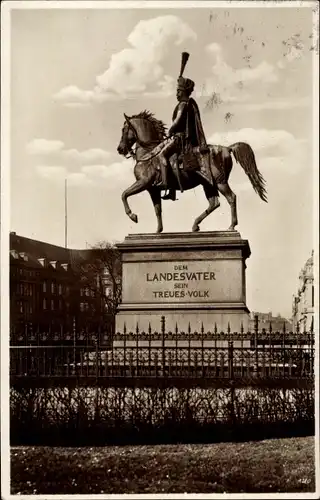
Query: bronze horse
[(146, 132)]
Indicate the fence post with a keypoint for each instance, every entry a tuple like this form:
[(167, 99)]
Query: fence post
[(202, 353), (74, 345), (106, 362), (137, 350), (230, 359), (96, 339), (312, 353), (231, 380), (149, 349), (284, 350), (124, 350), (176, 370), (163, 330), (256, 328), (189, 348)]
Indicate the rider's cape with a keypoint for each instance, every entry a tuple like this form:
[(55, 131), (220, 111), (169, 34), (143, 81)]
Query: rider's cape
[(194, 130)]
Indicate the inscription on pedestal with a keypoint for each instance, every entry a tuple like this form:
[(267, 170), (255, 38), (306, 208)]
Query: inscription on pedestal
[(193, 280), (189, 281)]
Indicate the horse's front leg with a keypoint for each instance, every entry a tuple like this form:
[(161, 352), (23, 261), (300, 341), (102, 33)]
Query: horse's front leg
[(155, 194), (136, 188)]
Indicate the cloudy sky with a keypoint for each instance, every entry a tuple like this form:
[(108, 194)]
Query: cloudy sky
[(75, 72)]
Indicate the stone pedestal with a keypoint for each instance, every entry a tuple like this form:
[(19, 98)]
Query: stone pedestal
[(192, 279)]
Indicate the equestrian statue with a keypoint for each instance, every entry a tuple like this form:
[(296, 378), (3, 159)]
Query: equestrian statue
[(182, 159)]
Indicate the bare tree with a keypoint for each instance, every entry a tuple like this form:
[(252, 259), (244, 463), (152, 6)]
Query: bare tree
[(99, 272)]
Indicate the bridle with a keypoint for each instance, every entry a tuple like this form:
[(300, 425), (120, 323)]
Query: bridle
[(139, 142)]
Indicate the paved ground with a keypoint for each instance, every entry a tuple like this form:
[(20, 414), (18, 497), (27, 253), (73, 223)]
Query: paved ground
[(279, 465)]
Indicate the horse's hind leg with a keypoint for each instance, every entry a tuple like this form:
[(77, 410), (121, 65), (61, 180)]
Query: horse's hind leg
[(232, 200), (155, 194), (213, 204), (136, 188)]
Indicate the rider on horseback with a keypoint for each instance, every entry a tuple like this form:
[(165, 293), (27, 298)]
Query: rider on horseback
[(186, 131)]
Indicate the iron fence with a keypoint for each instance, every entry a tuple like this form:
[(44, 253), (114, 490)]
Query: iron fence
[(172, 358)]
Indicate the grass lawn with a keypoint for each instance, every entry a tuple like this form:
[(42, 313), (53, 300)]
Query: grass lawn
[(277, 465)]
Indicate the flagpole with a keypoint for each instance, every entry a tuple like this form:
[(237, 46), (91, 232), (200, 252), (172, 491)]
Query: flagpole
[(65, 213)]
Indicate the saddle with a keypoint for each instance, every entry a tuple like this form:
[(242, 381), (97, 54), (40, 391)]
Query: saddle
[(195, 160)]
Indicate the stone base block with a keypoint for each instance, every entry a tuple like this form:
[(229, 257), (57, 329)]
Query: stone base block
[(195, 280)]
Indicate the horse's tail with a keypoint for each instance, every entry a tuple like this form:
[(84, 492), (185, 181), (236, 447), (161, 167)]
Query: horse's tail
[(245, 156)]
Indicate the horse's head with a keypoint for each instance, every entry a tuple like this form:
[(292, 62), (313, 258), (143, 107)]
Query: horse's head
[(143, 129), (128, 137)]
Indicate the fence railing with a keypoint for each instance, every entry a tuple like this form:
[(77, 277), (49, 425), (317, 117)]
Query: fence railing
[(233, 357)]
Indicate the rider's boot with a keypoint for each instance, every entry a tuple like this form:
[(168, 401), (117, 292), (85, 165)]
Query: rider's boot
[(171, 195), (163, 184)]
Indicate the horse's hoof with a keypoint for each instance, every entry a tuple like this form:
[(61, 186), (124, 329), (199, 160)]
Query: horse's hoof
[(195, 229), (159, 230), (231, 228), (133, 217)]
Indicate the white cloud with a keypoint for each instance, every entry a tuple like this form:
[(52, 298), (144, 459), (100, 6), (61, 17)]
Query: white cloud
[(166, 88), (94, 170), (78, 179), (86, 156), (230, 83), (137, 68), (73, 93), (72, 96), (93, 164), (272, 104), (214, 48), (56, 173), (118, 173), (44, 146), (293, 54), (55, 149), (259, 139), (133, 69), (60, 174)]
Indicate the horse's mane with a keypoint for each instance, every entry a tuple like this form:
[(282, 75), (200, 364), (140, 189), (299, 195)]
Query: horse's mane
[(158, 124)]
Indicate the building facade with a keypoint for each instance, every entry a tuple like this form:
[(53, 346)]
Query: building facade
[(47, 291), (267, 320), (303, 301)]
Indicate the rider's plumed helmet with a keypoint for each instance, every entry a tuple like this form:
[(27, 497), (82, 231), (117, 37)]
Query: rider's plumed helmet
[(185, 84)]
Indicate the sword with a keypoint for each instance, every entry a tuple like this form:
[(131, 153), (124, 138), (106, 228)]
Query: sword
[(175, 167)]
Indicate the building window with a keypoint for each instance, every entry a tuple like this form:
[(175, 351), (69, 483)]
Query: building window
[(44, 287), (81, 292), (84, 306), (87, 292), (52, 305), (52, 287), (60, 304), (44, 304), (60, 289)]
